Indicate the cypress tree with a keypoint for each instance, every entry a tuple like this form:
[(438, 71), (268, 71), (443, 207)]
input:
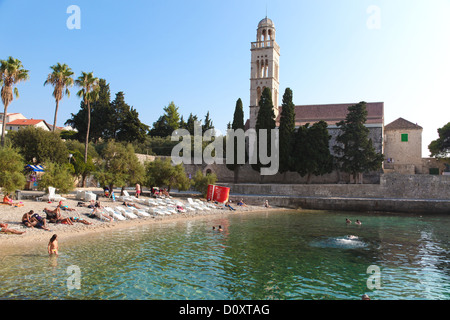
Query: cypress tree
[(355, 153), (287, 130), (238, 123), (264, 120), (312, 152)]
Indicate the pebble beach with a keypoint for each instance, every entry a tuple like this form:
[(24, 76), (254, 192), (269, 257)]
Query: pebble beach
[(12, 215)]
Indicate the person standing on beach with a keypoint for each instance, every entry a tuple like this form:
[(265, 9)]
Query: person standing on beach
[(138, 190), (52, 247)]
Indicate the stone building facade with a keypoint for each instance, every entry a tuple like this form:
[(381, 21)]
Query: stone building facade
[(403, 147)]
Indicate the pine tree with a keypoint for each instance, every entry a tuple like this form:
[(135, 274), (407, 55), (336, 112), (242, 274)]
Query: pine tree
[(132, 129), (208, 123), (355, 153), (190, 123), (167, 123), (183, 124)]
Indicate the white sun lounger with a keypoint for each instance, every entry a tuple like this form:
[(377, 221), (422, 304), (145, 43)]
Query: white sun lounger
[(116, 215), (156, 211), (189, 208), (140, 212), (99, 214), (202, 204), (172, 209), (127, 213), (52, 196), (164, 210), (194, 205)]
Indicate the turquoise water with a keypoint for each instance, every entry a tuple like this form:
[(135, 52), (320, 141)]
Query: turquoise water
[(269, 255)]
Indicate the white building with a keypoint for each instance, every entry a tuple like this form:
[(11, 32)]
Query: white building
[(17, 124)]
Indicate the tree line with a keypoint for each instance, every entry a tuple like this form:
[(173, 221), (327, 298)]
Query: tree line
[(306, 149), (102, 144), (111, 163)]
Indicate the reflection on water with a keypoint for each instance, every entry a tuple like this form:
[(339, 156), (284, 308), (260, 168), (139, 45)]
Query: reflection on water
[(295, 255)]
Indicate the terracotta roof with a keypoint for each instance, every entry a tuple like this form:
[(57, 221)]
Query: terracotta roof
[(25, 122), (401, 123), (333, 113)]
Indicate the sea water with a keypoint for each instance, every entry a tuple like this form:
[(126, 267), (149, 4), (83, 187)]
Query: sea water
[(267, 255)]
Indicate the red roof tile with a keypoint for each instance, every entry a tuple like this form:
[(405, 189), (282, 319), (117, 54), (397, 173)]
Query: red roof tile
[(333, 113), (25, 122)]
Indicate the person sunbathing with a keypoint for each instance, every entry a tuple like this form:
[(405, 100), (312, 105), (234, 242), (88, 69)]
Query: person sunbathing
[(128, 204), (77, 219), (63, 207), (4, 229), (54, 216), (98, 212)]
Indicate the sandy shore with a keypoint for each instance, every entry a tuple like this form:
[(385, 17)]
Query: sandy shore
[(13, 217)]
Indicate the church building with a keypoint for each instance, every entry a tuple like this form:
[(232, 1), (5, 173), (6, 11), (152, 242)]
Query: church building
[(400, 141), (265, 62)]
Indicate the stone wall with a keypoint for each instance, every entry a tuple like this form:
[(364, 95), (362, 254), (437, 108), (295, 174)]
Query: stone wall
[(391, 186), (375, 134), (248, 175), (423, 194)]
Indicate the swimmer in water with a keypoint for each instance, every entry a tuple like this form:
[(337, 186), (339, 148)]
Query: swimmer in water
[(358, 222), (347, 221), (220, 228), (351, 237)]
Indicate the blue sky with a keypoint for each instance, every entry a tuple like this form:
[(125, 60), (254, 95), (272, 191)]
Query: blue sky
[(197, 54)]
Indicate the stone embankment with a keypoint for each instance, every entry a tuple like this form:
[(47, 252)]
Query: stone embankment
[(395, 193)]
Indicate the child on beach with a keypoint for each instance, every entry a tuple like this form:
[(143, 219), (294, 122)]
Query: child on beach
[(52, 247)]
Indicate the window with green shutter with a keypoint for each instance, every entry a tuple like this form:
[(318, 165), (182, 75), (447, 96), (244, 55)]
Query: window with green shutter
[(404, 137)]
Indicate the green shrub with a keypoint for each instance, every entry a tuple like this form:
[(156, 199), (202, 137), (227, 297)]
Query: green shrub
[(11, 170), (58, 176), (201, 182)]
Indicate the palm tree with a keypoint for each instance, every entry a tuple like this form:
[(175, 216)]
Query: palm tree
[(11, 73), (61, 79), (89, 93)]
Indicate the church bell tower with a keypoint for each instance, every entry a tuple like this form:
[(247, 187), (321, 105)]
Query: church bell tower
[(265, 63)]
